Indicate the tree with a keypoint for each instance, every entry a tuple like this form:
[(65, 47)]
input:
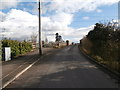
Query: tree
[(34, 37), (58, 38), (67, 42), (105, 47)]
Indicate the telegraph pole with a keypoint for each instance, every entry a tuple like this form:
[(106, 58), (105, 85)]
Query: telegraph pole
[(118, 29), (40, 38)]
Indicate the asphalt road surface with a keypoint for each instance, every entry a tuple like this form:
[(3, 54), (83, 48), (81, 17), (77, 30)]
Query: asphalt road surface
[(64, 68)]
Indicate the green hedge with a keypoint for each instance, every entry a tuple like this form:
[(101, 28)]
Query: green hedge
[(17, 47), (105, 45)]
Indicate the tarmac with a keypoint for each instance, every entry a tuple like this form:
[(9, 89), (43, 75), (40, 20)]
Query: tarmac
[(12, 69)]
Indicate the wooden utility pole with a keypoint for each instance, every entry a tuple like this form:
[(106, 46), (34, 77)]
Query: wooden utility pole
[(119, 15), (40, 34)]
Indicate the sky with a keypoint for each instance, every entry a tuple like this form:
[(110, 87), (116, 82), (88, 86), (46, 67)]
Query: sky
[(72, 19)]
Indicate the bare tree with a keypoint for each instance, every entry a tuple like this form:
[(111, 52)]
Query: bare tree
[(34, 37)]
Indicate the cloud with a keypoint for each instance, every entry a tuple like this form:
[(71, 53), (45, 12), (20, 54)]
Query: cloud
[(57, 24), (86, 18), (98, 10), (2, 16), (67, 9), (69, 6), (8, 4), (1, 13), (77, 34), (19, 24)]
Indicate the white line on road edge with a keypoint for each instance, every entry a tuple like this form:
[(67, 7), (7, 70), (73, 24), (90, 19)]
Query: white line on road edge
[(14, 70), (19, 74)]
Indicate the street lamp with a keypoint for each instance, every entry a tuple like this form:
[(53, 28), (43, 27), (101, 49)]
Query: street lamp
[(40, 41)]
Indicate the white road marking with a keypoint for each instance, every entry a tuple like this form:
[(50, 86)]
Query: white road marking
[(19, 74), (15, 69)]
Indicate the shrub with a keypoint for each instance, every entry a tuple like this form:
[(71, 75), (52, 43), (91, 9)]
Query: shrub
[(17, 47), (105, 44)]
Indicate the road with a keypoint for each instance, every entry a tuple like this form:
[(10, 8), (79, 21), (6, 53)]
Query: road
[(64, 68)]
